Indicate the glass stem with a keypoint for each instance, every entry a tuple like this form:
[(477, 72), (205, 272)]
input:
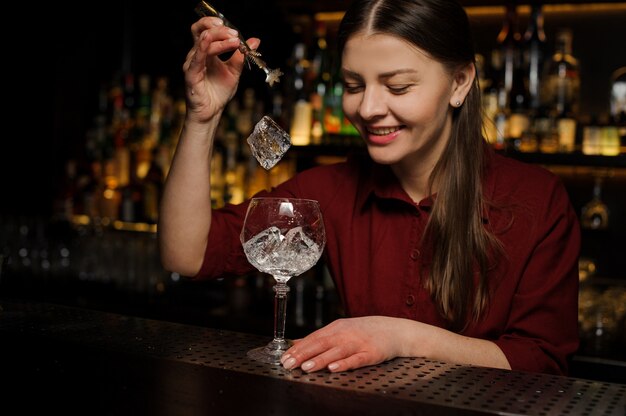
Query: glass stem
[(280, 311)]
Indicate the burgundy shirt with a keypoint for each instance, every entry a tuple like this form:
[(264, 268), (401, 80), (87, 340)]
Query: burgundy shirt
[(375, 254)]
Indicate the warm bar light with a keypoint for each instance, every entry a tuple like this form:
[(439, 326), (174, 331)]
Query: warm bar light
[(499, 10)]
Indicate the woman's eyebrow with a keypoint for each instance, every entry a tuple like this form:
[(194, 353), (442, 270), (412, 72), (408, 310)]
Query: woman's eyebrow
[(397, 72), (384, 75)]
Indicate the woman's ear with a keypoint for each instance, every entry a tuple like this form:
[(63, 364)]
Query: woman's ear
[(463, 81)]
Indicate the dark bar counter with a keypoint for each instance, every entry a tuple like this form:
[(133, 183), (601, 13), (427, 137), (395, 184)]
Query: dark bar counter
[(67, 360)]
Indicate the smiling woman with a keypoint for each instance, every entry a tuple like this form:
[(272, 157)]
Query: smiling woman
[(438, 247), (401, 95)]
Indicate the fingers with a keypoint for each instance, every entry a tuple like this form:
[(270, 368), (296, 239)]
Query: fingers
[(342, 345), (203, 24), (315, 354), (211, 38), (354, 361), (254, 43), (213, 42), (314, 363)]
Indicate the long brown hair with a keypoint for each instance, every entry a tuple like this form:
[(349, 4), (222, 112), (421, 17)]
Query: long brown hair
[(461, 245)]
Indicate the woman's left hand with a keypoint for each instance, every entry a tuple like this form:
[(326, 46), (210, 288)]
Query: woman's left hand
[(347, 344)]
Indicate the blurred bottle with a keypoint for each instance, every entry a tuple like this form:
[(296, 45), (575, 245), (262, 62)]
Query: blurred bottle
[(560, 92), (591, 141), (301, 120), (534, 45), (333, 111), (601, 136), (595, 213), (519, 104), (534, 54), (515, 109), (320, 72), (618, 104), (152, 188), (610, 139), (494, 101), (234, 168), (508, 40)]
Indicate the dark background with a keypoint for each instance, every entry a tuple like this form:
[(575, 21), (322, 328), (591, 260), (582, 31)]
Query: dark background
[(56, 56), (61, 53)]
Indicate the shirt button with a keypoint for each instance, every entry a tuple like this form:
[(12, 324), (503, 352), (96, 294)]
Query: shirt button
[(415, 253), (410, 300)]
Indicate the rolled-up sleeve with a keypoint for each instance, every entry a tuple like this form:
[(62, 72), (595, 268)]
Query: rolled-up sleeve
[(542, 327)]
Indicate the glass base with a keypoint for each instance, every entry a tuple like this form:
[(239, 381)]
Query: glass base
[(270, 353)]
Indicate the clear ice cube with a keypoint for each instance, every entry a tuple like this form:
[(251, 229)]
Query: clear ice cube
[(296, 242), (268, 142)]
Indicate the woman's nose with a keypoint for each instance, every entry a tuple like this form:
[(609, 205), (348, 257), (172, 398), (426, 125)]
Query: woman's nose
[(372, 104)]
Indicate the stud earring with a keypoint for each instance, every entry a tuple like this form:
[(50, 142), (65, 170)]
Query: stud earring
[(457, 104)]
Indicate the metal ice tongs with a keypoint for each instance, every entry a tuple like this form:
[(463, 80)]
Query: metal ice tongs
[(272, 75)]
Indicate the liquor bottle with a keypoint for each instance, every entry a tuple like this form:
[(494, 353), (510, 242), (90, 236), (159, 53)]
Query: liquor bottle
[(234, 169), (320, 72), (534, 49), (300, 129), (560, 92), (333, 112), (508, 41), (540, 131), (518, 101), (516, 106), (618, 102), (152, 188), (494, 101)]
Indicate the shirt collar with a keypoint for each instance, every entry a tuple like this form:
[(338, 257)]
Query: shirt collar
[(379, 182)]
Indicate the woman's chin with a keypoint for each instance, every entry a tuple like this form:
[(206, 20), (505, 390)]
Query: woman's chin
[(381, 155)]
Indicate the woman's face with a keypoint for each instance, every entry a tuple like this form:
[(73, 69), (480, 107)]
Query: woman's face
[(398, 98)]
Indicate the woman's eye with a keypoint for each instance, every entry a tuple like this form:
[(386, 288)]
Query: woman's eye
[(352, 88), (398, 89)]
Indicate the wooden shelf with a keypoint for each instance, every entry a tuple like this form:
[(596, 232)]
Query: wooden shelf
[(340, 146)]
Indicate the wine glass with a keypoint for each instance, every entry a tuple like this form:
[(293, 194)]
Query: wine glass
[(283, 237), (595, 213)]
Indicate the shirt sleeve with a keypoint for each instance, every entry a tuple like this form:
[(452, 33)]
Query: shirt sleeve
[(542, 327), (224, 255)]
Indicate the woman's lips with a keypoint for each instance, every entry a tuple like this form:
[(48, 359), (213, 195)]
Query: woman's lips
[(381, 139)]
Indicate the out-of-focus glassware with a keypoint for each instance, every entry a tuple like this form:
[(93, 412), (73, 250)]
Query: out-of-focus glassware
[(586, 268), (595, 213), (618, 92), (602, 319), (283, 237)]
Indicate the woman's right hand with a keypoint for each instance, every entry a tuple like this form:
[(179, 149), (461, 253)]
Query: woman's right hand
[(210, 82)]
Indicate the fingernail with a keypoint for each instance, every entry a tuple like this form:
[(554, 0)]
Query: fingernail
[(204, 34), (218, 22), (307, 365), (284, 358), (232, 32), (289, 363), (333, 366)]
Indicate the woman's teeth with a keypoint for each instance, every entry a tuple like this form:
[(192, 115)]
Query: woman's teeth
[(383, 131)]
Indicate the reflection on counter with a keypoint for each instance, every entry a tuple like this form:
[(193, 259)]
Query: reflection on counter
[(602, 319), (114, 266)]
